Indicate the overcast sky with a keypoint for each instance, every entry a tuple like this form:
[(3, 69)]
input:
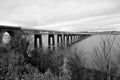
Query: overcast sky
[(66, 15)]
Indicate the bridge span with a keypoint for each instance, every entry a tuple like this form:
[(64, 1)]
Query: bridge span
[(62, 36)]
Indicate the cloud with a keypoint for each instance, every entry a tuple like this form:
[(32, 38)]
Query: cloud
[(67, 15), (88, 23)]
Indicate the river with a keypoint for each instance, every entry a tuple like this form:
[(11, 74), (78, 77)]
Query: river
[(88, 46)]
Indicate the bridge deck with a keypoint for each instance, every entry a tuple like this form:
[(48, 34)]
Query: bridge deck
[(10, 27), (39, 31)]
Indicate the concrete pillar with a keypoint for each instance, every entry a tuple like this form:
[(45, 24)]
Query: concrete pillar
[(79, 37), (35, 42), (71, 39), (59, 39), (40, 41), (51, 41), (36, 37), (68, 39), (75, 38), (65, 39), (65, 36)]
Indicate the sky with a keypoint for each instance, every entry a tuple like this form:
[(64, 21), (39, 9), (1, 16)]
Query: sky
[(61, 15)]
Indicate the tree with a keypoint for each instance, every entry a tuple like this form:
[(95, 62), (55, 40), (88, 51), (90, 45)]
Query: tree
[(76, 65), (117, 51), (103, 58), (13, 58), (13, 64)]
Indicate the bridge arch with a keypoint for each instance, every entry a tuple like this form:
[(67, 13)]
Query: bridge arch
[(6, 36)]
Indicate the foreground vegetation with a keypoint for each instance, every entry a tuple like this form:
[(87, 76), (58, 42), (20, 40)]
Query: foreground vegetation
[(18, 63)]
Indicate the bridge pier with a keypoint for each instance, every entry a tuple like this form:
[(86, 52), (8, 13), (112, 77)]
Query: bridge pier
[(65, 38), (36, 43), (73, 39), (69, 39), (59, 40), (76, 38), (51, 41)]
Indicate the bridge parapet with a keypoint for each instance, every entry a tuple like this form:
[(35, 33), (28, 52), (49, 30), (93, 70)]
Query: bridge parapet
[(106, 33), (44, 32)]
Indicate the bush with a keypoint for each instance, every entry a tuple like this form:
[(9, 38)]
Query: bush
[(76, 66), (13, 67), (19, 44), (46, 60), (13, 64)]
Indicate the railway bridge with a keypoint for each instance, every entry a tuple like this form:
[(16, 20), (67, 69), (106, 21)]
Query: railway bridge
[(66, 38)]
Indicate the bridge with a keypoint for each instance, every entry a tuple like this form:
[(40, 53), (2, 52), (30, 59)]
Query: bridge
[(63, 37)]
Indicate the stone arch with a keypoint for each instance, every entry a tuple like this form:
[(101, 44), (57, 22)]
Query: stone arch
[(6, 36)]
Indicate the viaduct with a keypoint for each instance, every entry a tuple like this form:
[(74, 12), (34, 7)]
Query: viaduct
[(67, 38)]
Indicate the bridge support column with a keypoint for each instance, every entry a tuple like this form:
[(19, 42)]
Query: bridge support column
[(74, 38), (68, 40), (71, 39), (51, 41), (79, 37), (36, 43), (59, 39), (65, 36)]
